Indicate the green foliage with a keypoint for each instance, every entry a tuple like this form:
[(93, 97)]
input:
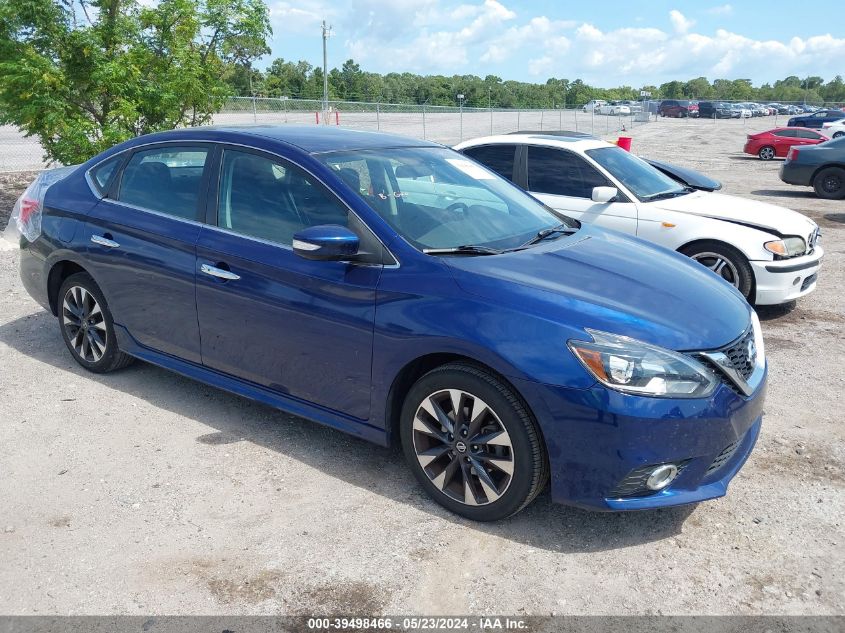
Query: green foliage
[(301, 80), (83, 76)]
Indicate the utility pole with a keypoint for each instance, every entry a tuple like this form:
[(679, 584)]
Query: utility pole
[(327, 32), (461, 102)]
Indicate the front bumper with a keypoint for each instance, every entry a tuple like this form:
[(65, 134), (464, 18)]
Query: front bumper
[(597, 437), (786, 280)]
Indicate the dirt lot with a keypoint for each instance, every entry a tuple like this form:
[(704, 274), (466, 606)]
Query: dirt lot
[(144, 492)]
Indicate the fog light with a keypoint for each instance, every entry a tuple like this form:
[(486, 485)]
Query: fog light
[(797, 279), (661, 477)]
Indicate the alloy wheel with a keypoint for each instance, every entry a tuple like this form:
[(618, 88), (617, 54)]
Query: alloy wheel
[(720, 265), (463, 447), (84, 324), (767, 153)]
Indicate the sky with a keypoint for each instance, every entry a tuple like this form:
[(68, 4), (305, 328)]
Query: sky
[(606, 43)]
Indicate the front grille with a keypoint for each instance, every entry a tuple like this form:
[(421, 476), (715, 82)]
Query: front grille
[(812, 240), (723, 457), (633, 485), (809, 281), (743, 354)]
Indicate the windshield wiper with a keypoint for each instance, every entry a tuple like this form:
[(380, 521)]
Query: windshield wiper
[(466, 249), (669, 194), (563, 229)]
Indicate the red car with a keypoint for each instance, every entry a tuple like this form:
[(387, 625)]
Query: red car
[(777, 142)]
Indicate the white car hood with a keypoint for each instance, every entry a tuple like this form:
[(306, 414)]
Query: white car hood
[(741, 210)]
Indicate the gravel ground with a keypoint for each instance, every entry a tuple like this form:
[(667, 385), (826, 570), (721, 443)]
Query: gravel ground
[(144, 492)]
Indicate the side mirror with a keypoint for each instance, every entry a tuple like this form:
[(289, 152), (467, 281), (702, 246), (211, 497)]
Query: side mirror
[(327, 242), (604, 194)]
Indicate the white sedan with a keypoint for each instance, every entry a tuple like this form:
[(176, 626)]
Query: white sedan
[(614, 109), (769, 253), (834, 129)]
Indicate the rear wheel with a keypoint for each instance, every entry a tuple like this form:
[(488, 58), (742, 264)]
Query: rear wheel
[(87, 327), (829, 183), (838, 134), (725, 261), (766, 153), (471, 443)]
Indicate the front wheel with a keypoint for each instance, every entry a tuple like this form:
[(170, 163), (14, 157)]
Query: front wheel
[(766, 153), (471, 443), (838, 134), (87, 327), (725, 261)]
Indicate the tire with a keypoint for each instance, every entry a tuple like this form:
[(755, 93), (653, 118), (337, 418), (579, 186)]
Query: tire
[(447, 465), (838, 134), (767, 152), (725, 261), (93, 344), (829, 183)]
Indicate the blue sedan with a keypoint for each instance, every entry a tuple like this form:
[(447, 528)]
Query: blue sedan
[(396, 290), (816, 119)]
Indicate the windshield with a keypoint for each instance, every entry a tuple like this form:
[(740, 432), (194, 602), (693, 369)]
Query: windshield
[(641, 179), (436, 198)]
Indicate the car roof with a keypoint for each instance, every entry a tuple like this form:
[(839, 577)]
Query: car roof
[(581, 142), (313, 139)]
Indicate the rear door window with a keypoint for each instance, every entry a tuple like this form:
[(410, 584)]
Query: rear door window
[(563, 173), (786, 133), (499, 158), (166, 180)]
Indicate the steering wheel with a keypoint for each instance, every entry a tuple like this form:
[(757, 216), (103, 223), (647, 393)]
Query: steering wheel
[(458, 206)]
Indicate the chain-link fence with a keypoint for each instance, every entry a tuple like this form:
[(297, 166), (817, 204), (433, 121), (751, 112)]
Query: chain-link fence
[(443, 124)]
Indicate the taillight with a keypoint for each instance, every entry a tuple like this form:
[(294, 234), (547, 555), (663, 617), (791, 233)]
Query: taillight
[(792, 154), (28, 208)]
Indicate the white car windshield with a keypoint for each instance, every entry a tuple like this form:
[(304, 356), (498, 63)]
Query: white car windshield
[(438, 199), (641, 179)]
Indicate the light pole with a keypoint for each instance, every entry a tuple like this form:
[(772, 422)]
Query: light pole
[(327, 32), (461, 98), (490, 107)]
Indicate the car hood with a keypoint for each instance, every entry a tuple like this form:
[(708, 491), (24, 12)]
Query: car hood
[(685, 175), (608, 281), (768, 217)]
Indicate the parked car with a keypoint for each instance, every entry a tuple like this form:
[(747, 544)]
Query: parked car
[(821, 167), (593, 105), (634, 106), (714, 109), (678, 109), (393, 289), (776, 142), (771, 254), (614, 108), (835, 129), (816, 119), (739, 111)]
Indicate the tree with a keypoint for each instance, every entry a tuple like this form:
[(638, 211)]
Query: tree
[(83, 76)]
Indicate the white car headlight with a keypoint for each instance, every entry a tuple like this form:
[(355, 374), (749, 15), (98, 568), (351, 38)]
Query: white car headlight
[(787, 247), (635, 367)]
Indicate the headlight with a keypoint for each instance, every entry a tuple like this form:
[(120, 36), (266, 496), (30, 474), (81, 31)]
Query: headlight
[(787, 247), (632, 366)]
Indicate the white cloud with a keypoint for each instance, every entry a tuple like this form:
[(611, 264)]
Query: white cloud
[(724, 9), (491, 37), (680, 23)]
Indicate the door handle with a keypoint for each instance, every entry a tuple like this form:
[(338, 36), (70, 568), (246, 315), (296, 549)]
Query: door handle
[(104, 241), (219, 272)]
